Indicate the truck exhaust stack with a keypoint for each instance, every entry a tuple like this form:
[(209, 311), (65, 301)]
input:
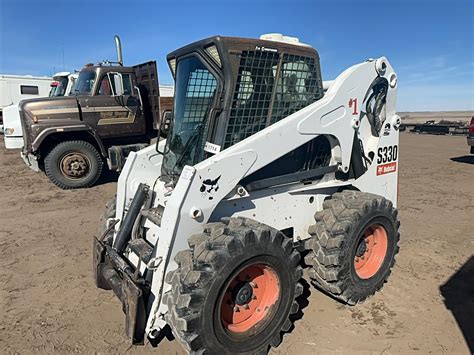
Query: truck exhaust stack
[(118, 46)]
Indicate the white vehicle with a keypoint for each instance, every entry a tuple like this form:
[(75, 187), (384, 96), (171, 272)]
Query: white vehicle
[(62, 84), (14, 88), (261, 167), (166, 90)]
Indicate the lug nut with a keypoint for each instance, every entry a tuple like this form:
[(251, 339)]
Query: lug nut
[(254, 297), (236, 309), (253, 284), (246, 306)]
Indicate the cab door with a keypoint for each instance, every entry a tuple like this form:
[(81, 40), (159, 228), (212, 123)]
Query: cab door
[(111, 112)]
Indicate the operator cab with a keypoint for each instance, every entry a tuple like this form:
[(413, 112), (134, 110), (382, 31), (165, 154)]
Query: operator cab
[(228, 89)]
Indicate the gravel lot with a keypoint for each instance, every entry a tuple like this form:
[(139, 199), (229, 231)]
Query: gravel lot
[(48, 302)]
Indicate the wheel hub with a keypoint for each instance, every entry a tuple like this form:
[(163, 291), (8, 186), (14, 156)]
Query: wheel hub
[(249, 298), (361, 248), (371, 251), (74, 165), (242, 294)]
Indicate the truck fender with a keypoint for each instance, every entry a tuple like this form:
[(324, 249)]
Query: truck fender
[(66, 129)]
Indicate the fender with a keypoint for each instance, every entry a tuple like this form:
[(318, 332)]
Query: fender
[(73, 128)]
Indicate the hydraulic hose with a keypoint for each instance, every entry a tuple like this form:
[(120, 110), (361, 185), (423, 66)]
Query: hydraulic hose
[(124, 233)]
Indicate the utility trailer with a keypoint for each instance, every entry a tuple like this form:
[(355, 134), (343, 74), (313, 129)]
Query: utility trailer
[(442, 127), (266, 169), (113, 110)]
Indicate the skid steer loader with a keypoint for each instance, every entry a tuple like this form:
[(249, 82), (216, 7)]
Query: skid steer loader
[(266, 170)]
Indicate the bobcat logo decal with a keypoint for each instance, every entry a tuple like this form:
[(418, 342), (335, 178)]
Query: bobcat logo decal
[(209, 186)]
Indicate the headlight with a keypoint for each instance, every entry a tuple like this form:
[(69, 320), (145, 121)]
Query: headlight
[(212, 50), (172, 64), (9, 131)]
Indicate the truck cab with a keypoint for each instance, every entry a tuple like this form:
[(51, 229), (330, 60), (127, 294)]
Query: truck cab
[(112, 110)]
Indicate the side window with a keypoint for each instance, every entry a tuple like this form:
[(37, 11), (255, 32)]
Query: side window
[(298, 86), (127, 84), (295, 81), (29, 90), (252, 96), (105, 86)]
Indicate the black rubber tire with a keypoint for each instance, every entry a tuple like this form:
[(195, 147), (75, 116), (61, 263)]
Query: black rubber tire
[(110, 209), (205, 268), (335, 237), (53, 171)]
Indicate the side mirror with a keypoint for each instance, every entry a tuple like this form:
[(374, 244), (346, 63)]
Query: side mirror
[(118, 84), (166, 121)]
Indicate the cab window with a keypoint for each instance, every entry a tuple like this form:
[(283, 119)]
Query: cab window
[(127, 84), (107, 85)]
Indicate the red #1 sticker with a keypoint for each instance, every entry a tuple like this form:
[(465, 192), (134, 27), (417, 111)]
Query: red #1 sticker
[(353, 105)]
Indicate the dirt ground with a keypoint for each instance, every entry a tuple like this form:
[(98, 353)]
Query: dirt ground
[(48, 302)]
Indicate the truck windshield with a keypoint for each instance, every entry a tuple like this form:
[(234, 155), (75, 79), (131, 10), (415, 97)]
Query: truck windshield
[(84, 83), (195, 89), (60, 88)]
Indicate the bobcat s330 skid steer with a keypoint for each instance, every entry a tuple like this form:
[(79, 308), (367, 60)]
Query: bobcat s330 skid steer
[(266, 170)]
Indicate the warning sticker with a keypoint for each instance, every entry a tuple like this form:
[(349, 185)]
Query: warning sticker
[(386, 168)]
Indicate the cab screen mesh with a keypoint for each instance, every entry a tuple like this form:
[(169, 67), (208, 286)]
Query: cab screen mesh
[(297, 86), (290, 81), (252, 96)]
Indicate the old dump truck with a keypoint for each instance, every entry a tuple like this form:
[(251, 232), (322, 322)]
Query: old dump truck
[(113, 110)]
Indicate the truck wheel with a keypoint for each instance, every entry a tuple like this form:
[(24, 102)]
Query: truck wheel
[(353, 245), (73, 164), (234, 289)]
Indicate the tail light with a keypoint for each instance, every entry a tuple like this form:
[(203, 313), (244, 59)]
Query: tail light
[(471, 126)]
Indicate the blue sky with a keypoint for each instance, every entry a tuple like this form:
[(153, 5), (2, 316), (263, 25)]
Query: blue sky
[(429, 42)]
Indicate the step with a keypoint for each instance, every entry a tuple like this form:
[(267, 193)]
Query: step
[(154, 214), (142, 249)]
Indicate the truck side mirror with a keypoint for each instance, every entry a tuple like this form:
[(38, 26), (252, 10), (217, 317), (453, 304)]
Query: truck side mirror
[(118, 83)]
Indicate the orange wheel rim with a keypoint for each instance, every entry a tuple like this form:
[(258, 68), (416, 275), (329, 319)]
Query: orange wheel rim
[(250, 298), (371, 251)]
